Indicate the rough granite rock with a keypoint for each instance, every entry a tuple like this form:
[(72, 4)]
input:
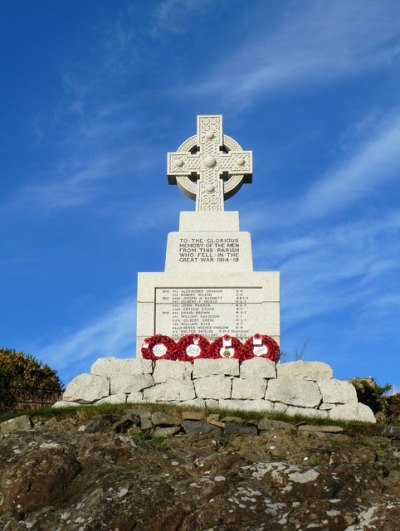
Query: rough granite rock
[(112, 366), (166, 369), (64, 403), (307, 412), (87, 388), (337, 392), (169, 391), (247, 405), (214, 387), (197, 427), (304, 370), (357, 411), (258, 368), (134, 397), (210, 367), (248, 388), (119, 398), (301, 393), (159, 418), (130, 383), (23, 422)]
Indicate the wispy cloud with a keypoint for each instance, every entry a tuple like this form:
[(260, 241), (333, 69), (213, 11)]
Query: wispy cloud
[(112, 334), (316, 42), (171, 15)]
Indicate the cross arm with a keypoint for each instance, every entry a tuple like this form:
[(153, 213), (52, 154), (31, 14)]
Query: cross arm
[(181, 164), (237, 163)]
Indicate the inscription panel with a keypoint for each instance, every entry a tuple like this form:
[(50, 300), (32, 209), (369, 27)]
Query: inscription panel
[(211, 312), (209, 250)]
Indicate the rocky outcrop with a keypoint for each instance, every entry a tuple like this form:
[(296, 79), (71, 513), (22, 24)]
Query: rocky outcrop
[(295, 388), (168, 470)]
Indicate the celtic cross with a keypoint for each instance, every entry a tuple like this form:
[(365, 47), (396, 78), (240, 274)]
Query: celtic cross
[(210, 166)]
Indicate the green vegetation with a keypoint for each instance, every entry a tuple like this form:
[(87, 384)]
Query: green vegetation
[(25, 381), (386, 406)]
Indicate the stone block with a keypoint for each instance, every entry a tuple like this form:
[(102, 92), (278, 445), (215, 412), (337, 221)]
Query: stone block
[(266, 424), (301, 393), (166, 432), (130, 383), (307, 412), (64, 403), (87, 388), (193, 415), (159, 418), (280, 408), (134, 397), (246, 405), (337, 392), (196, 402), (176, 370), (194, 426), (258, 368), (304, 370), (248, 388), (171, 390), (210, 367), (112, 366), (145, 417), (235, 428), (213, 387), (325, 406), (357, 411), (119, 398), (21, 423), (211, 403)]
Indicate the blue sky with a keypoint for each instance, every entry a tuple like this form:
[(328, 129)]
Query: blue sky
[(93, 95)]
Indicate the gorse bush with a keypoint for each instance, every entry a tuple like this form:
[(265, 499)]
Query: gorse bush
[(24, 378)]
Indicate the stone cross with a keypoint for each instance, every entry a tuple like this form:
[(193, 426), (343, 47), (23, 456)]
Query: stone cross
[(210, 166)]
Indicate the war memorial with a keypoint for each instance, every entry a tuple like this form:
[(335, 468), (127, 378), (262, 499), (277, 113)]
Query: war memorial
[(208, 326)]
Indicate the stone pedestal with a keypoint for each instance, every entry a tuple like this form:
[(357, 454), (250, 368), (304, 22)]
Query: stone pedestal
[(209, 286)]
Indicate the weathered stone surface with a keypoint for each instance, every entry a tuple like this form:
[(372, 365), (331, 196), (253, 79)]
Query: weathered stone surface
[(193, 426), (210, 367), (87, 388), (166, 432), (112, 366), (294, 392), (325, 406), (23, 422), (159, 418), (134, 397), (211, 403), (258, 368), (304, 370), (196, 402), (307, 412), (177, 370), (215, 422), (213, 387), (357, 411), (337, 392), (193, 415), (119, 398), (130, 383), (320, 429), (279, 407), (389, 431), (240, 429), (64, 403), (248, 388), (267, 424), (247, 405), (143, 414), (170, 390)]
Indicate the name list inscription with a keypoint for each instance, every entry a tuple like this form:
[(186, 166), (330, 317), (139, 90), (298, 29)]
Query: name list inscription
[(209, 249), (211, 312)]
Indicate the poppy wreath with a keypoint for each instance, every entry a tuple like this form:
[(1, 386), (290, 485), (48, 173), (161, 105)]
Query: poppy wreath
[(191, 347), (159, 347), (260, 346), (225, 347)]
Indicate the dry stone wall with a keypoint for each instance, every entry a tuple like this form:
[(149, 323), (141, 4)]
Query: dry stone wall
[(258, 384)]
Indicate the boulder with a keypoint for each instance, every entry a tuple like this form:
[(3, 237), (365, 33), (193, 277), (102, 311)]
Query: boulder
[(246, 405), (266, 424), (301, 393), (112, 366), (248, 388), (213, 387), (159, 418), (130, 383), (176, 370), (143, 414), (210, 367), (192, 415), (337, 392), (193, 426), (119, 398), (304, 370), (169, 391), (21, 423), (357, 411), (166, 432), (235, 428), (307, 412), (258, 368), (87, 388)]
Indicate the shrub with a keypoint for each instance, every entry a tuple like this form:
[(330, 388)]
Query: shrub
[(25, 379)]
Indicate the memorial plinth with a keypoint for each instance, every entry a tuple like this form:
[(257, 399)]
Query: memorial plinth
[(208, 286)]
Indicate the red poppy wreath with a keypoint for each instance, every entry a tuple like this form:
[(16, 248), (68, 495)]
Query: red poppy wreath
[(159, 347), (261, 346), (191, 347), (226, 347)]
